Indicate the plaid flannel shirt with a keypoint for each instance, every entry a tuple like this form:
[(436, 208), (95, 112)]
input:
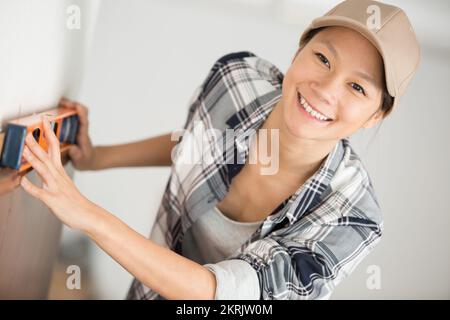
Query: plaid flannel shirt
[(315, 238)]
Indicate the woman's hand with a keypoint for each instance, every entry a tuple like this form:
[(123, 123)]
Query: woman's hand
[(83, 154), (9, 180), (58, 191), (167, 272)]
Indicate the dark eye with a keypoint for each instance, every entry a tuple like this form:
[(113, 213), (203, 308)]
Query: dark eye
[(358, 88), (323, 59)]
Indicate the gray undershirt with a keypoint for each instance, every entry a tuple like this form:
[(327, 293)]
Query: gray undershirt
[(210, 241)]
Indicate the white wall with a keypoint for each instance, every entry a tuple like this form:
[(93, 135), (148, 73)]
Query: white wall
[(149, 56), (41, 59)]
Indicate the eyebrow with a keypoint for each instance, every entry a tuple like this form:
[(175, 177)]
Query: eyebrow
[(362, 74), (367, 77), (330, 47)]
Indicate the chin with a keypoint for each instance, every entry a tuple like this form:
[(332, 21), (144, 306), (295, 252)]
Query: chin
[(297, 125)]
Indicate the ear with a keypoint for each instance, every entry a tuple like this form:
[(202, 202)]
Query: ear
[(374, 119)]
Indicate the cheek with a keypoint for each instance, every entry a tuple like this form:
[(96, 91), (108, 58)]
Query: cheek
[(353, 113), (349, 113), (301, 71), (351, 117)]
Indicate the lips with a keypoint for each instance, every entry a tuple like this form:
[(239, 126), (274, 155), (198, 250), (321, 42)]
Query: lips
[(307, 109)]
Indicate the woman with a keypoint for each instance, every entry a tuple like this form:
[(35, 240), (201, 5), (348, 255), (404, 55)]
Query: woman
[(227, 229)]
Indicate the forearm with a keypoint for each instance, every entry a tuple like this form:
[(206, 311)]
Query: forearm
[(154, 151), (171, 275)]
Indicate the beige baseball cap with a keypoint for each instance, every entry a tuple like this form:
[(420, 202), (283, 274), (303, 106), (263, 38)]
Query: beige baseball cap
[(388, 28)]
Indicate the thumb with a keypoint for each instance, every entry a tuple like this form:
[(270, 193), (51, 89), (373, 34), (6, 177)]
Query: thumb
[(74, 152)]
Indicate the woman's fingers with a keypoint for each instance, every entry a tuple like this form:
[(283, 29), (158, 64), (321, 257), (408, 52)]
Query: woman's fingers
[(9, 180), (75, 152), (63, 102), (38, 165), (31, 188), (82, 114), (82, 111), (52, 142), (36, 148), (51, 159), (83, 135)]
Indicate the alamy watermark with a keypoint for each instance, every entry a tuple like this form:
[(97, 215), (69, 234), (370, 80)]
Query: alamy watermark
[(373, 281), (209, 145), (73, 281), (373, 22), (73, 21)]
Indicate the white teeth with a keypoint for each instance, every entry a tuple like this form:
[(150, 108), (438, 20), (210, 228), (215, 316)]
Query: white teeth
[(310, 110)]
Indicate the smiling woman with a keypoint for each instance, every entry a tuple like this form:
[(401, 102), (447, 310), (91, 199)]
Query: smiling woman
[(387, 101), (337, 75), (224, 230)]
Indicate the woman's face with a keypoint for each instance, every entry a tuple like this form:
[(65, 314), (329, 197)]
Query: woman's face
[(337, 73)]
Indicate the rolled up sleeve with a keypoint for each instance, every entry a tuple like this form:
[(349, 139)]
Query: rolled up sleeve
[(235, 279)]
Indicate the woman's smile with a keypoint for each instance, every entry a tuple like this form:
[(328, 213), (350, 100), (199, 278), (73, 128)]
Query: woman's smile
[(309, 112)]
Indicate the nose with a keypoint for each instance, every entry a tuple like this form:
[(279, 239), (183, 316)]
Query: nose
[(325, 90)]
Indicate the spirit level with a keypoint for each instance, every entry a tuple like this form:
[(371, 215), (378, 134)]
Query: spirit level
[(64, 123)]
